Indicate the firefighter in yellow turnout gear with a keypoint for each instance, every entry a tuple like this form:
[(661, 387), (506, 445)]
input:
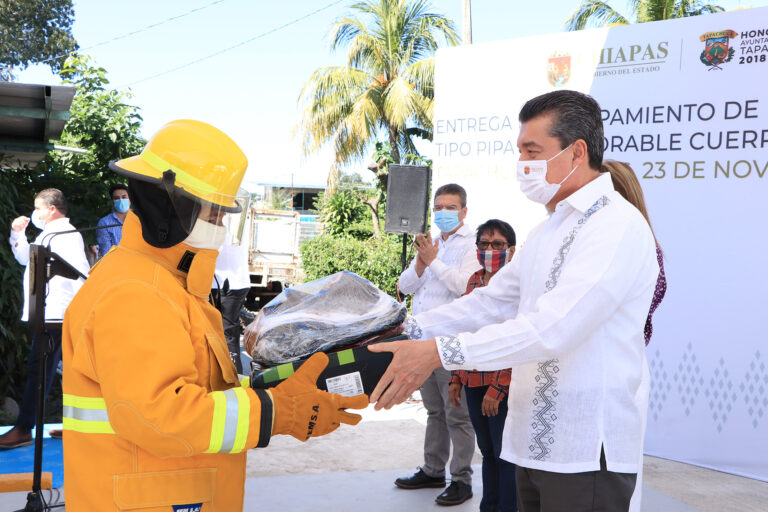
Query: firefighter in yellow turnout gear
[(155, 417)]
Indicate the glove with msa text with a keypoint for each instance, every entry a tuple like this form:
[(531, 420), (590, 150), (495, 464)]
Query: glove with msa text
[(303, 411)]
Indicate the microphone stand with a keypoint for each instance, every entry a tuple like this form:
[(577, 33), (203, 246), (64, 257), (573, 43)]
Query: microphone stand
[(43, 265)]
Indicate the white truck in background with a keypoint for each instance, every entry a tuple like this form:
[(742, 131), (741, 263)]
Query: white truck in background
[(274, 238)]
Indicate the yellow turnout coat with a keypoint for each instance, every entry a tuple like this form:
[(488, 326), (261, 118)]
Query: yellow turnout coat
[(155, 418)]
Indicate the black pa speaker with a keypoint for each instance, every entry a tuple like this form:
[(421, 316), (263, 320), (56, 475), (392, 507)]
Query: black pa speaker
[(407, 198)]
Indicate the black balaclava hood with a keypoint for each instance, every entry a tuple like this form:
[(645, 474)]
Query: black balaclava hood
[(165, 220)]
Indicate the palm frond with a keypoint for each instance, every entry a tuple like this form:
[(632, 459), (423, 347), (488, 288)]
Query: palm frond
[(405, 141), (686, 8), (594, 13), (436, 23), (653, 10), (706, 9), (325, 100), (387, 87), (345, 30), (421, 74), (364, 52), (358, 128), (399, 103), (424, 112)]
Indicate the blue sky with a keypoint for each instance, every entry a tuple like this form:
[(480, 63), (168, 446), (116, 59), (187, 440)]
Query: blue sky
[(250, 92)]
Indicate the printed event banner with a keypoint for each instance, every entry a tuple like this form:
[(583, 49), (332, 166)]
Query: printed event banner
[(685, 103)]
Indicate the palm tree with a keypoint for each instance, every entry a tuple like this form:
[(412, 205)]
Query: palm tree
[(593, 13), (386, 88)]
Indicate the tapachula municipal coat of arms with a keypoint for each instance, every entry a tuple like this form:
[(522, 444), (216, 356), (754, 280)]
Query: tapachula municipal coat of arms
[(717, 48)]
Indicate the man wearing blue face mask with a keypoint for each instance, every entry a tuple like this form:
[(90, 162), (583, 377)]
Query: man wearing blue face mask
[(107, 237), (438, 275)]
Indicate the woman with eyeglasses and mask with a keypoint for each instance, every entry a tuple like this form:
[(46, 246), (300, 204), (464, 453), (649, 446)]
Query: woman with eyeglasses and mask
[(486, 392)]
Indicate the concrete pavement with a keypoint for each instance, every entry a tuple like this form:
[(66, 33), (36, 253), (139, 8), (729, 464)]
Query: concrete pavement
[(353, 469)]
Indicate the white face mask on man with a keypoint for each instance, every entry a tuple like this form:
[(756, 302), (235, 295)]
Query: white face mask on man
[(532, 176), (37, 220), (205, 235)]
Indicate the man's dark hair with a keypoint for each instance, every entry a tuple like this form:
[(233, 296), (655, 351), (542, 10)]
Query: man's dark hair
[(503, 228), (54, 197), (574, 116), (117, 186), (453, 189)]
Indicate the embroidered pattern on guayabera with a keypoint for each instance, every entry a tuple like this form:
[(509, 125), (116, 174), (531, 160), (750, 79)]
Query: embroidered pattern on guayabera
[(544, 415), (544, 401), (450, 348), (562, 252), (411, 328)]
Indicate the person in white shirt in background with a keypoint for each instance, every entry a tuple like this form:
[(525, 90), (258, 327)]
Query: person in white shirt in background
[(438, 275), (231, 283), (566, 314), (49, 216)]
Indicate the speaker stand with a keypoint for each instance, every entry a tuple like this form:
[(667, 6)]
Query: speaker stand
[(43, 265), (405, 253)]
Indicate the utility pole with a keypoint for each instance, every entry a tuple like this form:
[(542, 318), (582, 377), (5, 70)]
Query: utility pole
[(467, 22)]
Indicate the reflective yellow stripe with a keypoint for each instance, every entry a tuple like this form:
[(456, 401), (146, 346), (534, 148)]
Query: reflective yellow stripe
[(183, 178), (245, 381), (272, 427), (243, 420), (231, 421), (219, 420), (86, 414), (87, 427), (85, 402)]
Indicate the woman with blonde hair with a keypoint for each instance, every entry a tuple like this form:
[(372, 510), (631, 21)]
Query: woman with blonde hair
[(626, 183)]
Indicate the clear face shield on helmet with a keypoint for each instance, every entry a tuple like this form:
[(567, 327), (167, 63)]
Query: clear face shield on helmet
[(219, 221), (235, 222)]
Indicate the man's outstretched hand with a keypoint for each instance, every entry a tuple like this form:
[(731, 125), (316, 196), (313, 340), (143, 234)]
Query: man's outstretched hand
[(412, 362)]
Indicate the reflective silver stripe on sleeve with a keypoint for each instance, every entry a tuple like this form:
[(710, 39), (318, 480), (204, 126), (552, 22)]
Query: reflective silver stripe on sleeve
[(230, 424), (79, 413)]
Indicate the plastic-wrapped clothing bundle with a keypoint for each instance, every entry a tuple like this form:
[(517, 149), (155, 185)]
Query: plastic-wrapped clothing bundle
[(321, 315)]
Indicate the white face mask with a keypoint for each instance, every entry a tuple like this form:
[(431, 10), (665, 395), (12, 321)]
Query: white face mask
[(205, 235), (37, 220), (532, 176)]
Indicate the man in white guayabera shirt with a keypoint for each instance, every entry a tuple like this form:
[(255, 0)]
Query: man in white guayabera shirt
[(49, 216), (437, 275), (566, 314)]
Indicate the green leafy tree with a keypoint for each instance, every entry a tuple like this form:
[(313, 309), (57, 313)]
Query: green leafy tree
[(376, 259), (339, 210), (593, 13), (13, 337), (386, 88), (101, 122), (105, 125), (35, 31), (351, 180), (348, 242), (280, 200)]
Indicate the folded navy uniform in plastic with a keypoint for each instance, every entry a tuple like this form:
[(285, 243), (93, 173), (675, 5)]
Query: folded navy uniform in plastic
[(320, 316)]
